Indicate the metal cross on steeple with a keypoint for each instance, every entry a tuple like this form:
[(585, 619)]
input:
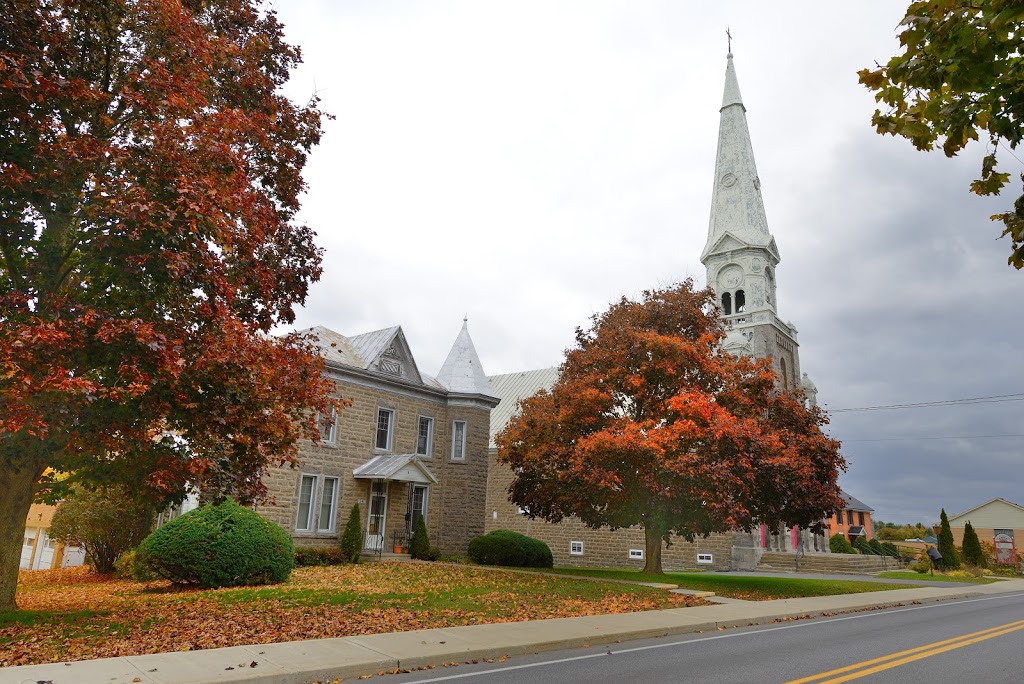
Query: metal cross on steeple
[(729, 36)]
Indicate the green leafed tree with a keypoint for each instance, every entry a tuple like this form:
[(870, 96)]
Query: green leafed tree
[(958, 78), (150, 174), (106, 522), (950, 558)]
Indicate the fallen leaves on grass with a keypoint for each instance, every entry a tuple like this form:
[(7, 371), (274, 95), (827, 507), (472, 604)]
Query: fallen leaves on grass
[(73, 614)]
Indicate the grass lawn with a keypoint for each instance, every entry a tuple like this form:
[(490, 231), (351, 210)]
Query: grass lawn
[(937, 577), (73, 614), (742, 587)]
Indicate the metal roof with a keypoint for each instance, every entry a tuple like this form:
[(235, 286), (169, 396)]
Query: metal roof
[(396, 467), (462, 371), (513, 387), (369, 346), (990, 501), (854, 504)]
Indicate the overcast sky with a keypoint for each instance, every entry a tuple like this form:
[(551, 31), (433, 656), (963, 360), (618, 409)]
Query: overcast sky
[(526, 163)]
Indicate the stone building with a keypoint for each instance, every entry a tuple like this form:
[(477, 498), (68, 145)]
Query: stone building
[(409, 446), (741, 257)]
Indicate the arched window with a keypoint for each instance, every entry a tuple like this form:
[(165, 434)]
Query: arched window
[(727, 303), (741, 301)]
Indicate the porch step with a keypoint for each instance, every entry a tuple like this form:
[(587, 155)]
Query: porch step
[(840, 563), (371, 557)]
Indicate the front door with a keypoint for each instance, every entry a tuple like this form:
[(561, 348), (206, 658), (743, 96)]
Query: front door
[(417, 506), (377, 515)]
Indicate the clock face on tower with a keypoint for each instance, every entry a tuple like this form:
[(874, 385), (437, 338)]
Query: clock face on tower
[(730, 277)]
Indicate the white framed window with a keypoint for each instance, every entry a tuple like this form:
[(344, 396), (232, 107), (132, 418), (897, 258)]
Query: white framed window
[(328, 505), (425, 436), (576, 548), (385, 428), (458, 440), (636, 554), (307, 492), (705, 558), (328, 425)]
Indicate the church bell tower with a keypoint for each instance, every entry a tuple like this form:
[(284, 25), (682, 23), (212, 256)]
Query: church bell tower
[(741, 256)]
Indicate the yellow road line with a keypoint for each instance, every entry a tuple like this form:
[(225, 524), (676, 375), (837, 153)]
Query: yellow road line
[(910, 655)]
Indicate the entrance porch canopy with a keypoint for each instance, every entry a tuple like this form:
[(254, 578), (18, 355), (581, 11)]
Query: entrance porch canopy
[(396, 468)]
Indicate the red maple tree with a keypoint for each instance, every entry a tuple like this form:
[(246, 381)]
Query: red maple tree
[(150, 171), (651, 423)]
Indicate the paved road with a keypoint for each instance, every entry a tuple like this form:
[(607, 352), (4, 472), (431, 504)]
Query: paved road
[(976, 639)]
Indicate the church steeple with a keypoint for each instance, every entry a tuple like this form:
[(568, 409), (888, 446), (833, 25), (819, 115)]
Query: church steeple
[(737, 210), (740, 254)]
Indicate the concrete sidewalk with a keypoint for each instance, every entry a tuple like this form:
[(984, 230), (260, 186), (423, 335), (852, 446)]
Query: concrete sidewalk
[(300, 662)]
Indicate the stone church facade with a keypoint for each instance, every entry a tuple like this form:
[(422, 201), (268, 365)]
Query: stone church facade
[(741, 258)]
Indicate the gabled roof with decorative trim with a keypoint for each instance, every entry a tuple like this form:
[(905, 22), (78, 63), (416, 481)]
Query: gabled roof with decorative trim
[(384, 351)]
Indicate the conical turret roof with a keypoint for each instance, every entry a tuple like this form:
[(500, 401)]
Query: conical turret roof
[(462, 371), (737, 210)]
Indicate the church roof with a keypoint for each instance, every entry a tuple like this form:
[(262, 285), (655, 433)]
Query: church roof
[(378, 351), (737, 209), (462, 371), (513, 387)]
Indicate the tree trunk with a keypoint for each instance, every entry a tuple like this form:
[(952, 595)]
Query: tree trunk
[(18, 487), (652, 556)]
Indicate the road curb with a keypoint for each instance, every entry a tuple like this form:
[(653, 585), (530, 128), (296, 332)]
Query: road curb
[(301, 662)]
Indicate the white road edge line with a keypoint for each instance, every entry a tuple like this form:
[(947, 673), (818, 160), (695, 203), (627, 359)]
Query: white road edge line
[(684, 642)]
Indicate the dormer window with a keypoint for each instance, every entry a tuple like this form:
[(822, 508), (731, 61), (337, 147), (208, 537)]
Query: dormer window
[(727, 303)]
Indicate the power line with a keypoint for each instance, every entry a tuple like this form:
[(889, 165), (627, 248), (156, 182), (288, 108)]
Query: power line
[(914, 439), (995, 399)]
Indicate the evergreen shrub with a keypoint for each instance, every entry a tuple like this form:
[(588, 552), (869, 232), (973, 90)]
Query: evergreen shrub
[(419, 545), (973, 554), (838, 543), (306, 556), (950, 558), (219, 546), (352, 539), (861, 544), (504, 547)]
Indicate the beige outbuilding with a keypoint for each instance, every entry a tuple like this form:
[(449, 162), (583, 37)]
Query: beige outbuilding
[(998, 522)]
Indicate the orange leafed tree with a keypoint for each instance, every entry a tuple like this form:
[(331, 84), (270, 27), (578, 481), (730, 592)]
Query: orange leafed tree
[(652, 424), (150, 171)]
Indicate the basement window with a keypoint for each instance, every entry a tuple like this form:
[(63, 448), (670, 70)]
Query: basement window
[(636, 554), (705, 559), (576, 548)]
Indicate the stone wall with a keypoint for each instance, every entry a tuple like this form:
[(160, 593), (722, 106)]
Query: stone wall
[(455, 506), (601, 548)]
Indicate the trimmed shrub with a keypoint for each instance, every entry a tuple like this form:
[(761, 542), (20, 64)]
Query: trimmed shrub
[(861, 544), (352, 539), (922, 564), (106, 522), (127, 567), (973, 555), (219, 546), (419, 545), (889, 549), (950, 558), (876, 547), (504, 547), (837, 543), (306, 556)]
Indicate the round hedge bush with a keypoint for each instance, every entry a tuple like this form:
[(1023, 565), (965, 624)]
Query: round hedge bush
[(504, 547), (219, 546)]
